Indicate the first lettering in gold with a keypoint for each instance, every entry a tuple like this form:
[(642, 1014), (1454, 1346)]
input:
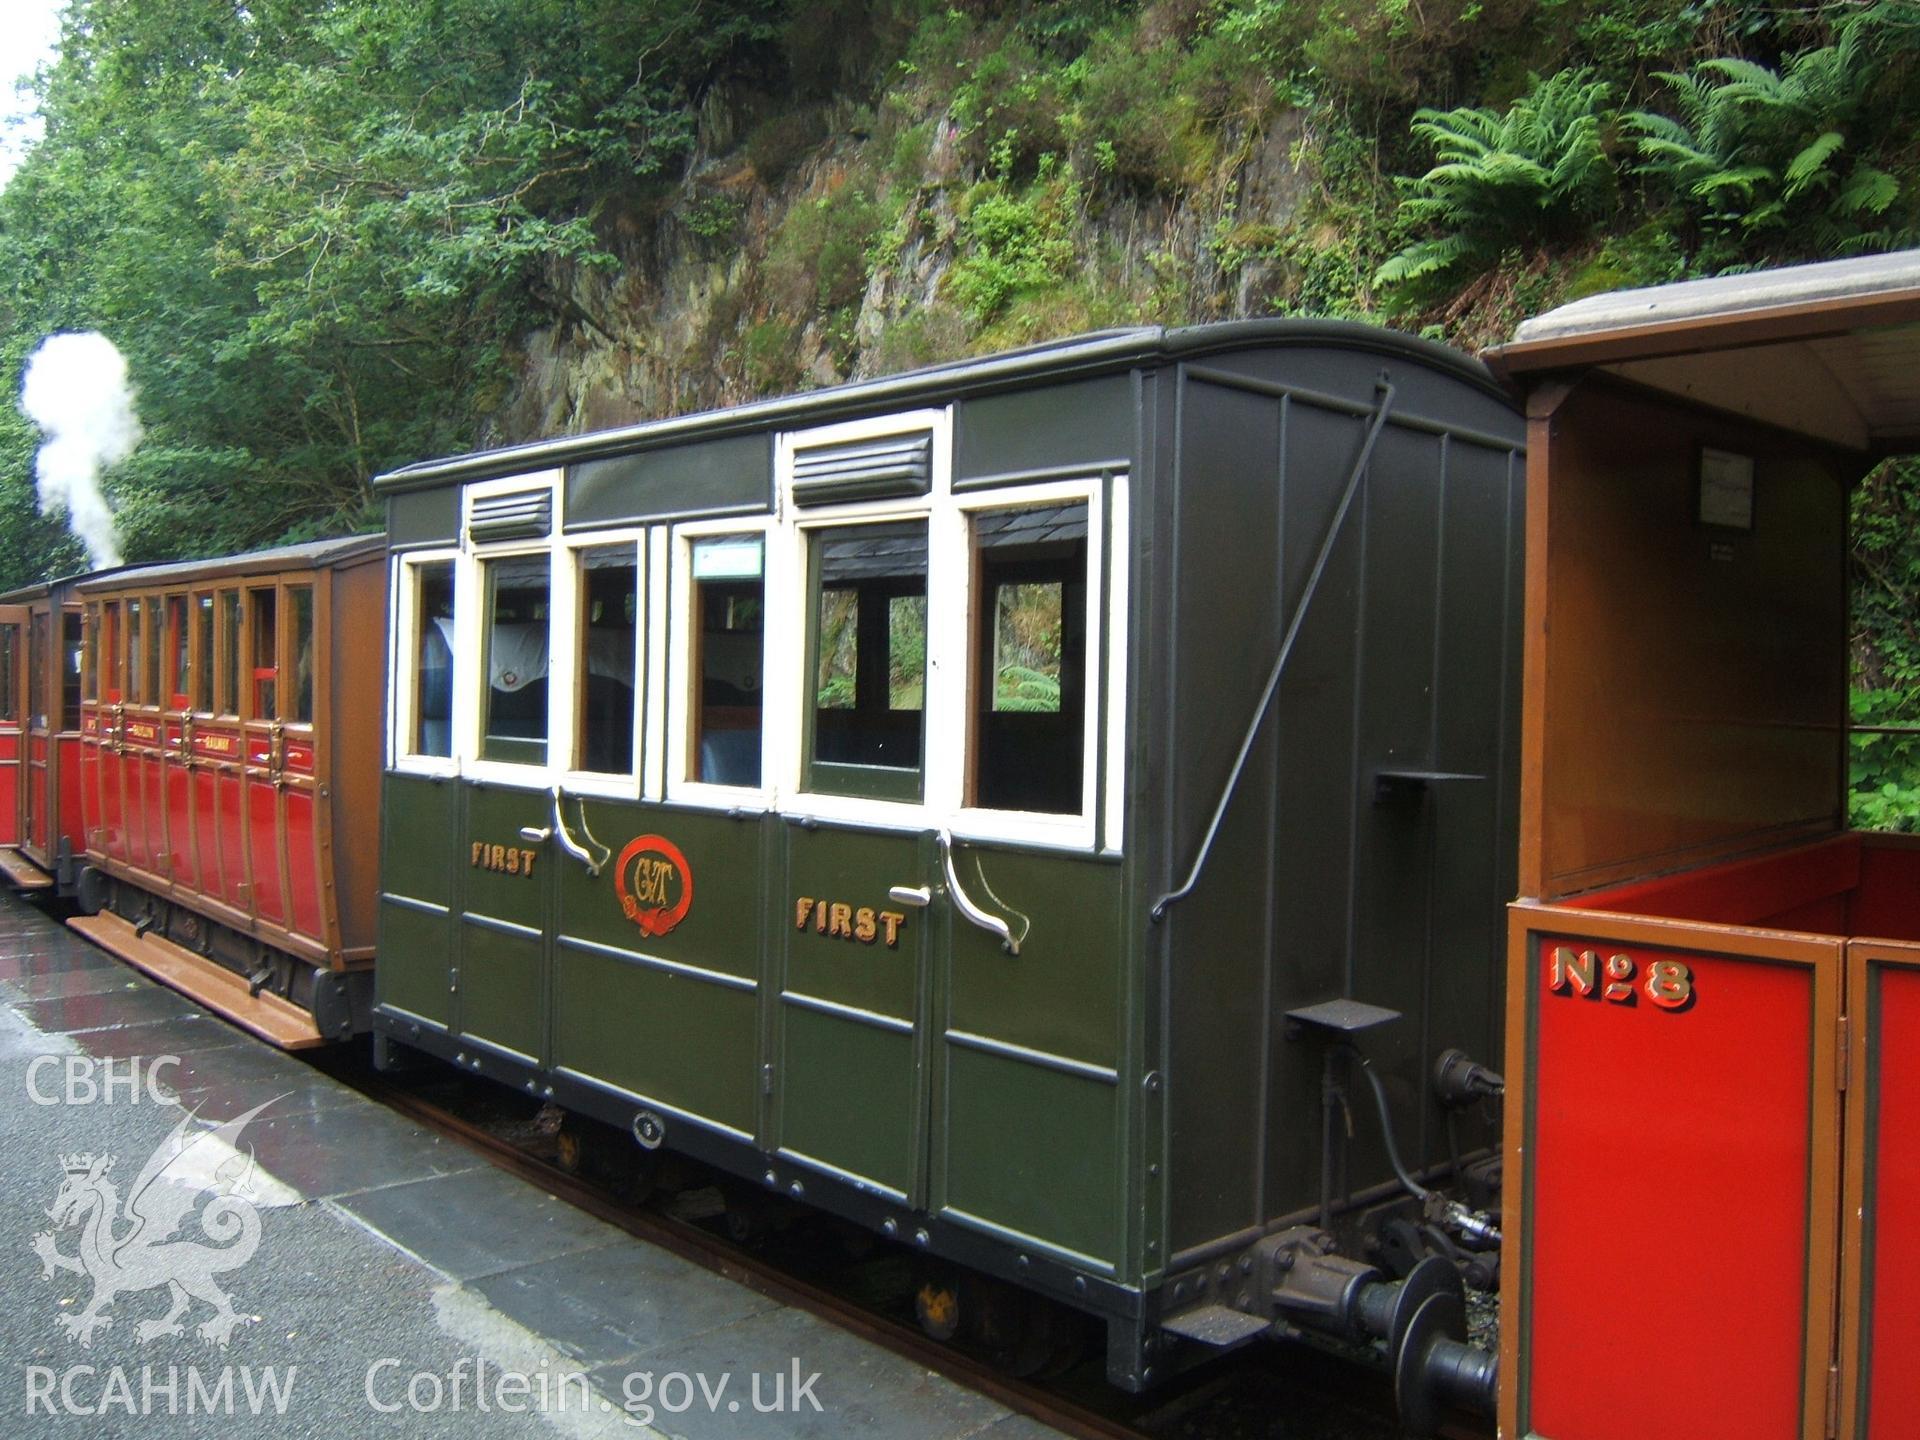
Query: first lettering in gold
[(847, 922), (506, 859)]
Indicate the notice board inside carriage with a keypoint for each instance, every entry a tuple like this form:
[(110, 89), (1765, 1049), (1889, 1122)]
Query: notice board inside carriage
[(1713, 982)]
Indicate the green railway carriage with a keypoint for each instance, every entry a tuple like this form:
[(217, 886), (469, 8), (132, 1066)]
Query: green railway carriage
[(927, 797)]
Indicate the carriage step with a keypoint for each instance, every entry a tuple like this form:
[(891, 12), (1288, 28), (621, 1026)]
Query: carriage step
[(272, 1017), (20, 872)]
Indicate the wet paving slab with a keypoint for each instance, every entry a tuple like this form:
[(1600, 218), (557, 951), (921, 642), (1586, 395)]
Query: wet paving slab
[(612, 1303), (479, 1223), (452, 1229)]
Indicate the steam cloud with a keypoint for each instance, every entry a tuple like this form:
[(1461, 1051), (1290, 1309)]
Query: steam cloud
[(75, 389)]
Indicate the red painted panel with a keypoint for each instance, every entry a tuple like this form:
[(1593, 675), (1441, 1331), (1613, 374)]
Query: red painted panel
[(233, 837), (72, 821), (113, 806), (1656, 1129), (206, 842), (299, 755), (36, 782), (1743, 891), (9, 787), (133, 770), (303, 869), (263, 847), (91, 820), (1887, 904), (154, 784), (186, 869), (1893, 1386)]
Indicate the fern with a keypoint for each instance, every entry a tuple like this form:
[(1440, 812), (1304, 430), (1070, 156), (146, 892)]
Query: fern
[(1760, 159), (1536, 172)]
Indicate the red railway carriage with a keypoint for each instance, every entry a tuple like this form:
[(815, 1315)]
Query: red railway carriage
[(41, 838), (1711, 1165), (229, 773)]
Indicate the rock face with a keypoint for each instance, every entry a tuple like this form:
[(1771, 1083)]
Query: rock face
[(807, 248)]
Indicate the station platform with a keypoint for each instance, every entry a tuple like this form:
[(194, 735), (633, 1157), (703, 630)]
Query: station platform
[(375, 1278)]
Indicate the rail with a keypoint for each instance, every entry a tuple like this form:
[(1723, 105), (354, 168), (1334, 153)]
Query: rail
[(1380, 414)]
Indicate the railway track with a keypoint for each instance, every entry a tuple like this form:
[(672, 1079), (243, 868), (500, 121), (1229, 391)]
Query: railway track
[(1274, 1393)]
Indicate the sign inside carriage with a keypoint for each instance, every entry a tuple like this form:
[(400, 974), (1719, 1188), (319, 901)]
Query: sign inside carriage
[(654, 884)]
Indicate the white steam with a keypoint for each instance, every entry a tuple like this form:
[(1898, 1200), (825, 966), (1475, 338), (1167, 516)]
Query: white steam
[(75, 389)]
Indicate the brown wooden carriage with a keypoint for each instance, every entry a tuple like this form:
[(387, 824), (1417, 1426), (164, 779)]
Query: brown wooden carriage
[(229, 779), (1714, 987)]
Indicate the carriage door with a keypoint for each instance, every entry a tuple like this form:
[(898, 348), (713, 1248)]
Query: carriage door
[(853, 993), (264, 754), (13, 622), (36, 826)]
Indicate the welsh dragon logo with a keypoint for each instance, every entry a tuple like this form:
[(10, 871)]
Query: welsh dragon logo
[(128, 1251)]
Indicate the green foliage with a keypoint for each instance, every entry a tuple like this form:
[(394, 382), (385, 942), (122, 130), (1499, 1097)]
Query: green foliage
[(1010, 245), (1885, 764), (1534, 173), (1768, 163)]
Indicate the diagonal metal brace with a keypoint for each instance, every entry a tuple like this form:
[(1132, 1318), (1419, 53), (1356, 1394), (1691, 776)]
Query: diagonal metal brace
[(1379, 422)]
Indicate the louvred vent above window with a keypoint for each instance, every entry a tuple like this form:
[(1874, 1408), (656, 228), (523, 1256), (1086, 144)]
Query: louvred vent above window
[(520, 515), (879, 469)]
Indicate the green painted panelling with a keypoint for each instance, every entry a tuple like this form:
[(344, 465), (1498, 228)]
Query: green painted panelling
[(853, 869), (412, 973), (501, 989), (848, 1096), (1032, 1150), (722, 929), (1061, 993), (1084, 424), (424, 517), (730, 473), (418, 830), (683, 1042), (494, 817)]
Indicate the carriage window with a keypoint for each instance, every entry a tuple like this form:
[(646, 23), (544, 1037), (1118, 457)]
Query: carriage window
[(869, 659), (229, 669), (90, 660), (261, 609), (9, 661), (71, 653), (203, 653), (1030, 659), (177, 650), (729, 606), (109, 662), (150, 691), (37, 672), (513, 714), (300, 602), (136, 628), (432, 646), (604, 667)]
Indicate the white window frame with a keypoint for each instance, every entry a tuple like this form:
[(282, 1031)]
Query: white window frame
[(569, 621), (680, 706), (468, 605), (404, 586), (951, 618), (1030, 826)]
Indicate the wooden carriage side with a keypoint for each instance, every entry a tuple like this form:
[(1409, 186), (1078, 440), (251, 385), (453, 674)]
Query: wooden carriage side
[(1711, 979), (230, 722)]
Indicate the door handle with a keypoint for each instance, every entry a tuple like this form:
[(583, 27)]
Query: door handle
[(919, 896), (992, 924), (536, 834)]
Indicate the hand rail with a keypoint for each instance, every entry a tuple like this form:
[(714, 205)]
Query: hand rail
[(1380, 413), (572, 846), (992, 924)]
